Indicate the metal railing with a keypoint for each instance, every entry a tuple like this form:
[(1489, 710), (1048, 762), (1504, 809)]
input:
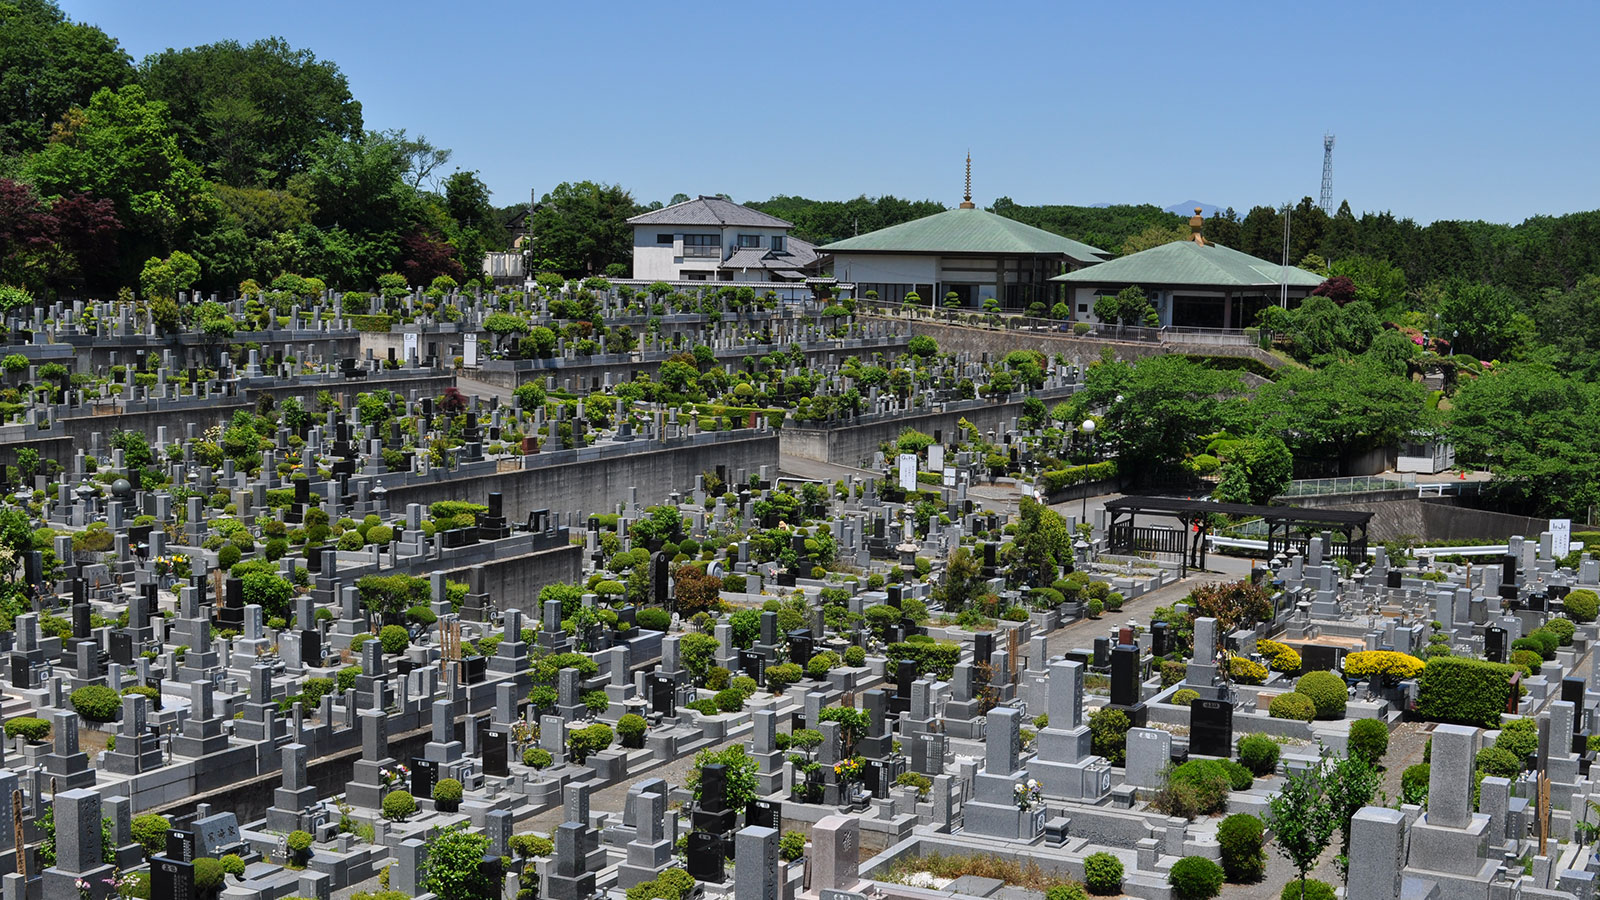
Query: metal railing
[(1355, 484), (1003, 321), (697, 251)]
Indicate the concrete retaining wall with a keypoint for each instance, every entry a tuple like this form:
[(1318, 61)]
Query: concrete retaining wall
[(1078, 350), (853, 443)]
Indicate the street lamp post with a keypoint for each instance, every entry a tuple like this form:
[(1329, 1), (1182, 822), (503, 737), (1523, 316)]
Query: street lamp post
[(1087, 428)]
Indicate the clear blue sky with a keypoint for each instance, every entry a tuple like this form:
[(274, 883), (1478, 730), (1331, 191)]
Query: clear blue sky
[(1462, 110)]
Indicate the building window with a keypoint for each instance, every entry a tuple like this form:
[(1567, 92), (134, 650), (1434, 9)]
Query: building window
[(691, 275), (706, 245), (748, 241), (663, 238), (778, 243)]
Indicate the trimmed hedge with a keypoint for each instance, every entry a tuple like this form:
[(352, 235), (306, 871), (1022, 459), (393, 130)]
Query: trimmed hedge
[(1259, 753), (1369, 738), (1102, 874), (1388, 663), (1463, 691), (1582, 605), (96, 702), (1244, 860), (1313, 890), (1195, 878)]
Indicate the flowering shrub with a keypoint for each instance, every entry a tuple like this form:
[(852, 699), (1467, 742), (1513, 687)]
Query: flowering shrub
[(1280, 657), (1391, 664)]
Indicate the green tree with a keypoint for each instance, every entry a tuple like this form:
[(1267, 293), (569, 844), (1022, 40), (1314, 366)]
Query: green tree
[(122, 148), (452, 869), (48, 65), (1351, 783), (1156, 408), (1154, 236), (1342, 409), (583, 227), (250, 114), (1255, 470), (1301, 819), (1043, 543), (1482, 318), (164, 278), (1531, 426)]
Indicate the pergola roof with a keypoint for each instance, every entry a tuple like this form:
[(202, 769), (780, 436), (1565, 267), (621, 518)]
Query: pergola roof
[(1296, 515)]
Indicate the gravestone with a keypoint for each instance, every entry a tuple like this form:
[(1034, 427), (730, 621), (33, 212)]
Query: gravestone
[(1211, 728)]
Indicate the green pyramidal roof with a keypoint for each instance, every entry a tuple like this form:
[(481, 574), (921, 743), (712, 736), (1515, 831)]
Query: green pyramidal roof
[(1186, 262), (966, 231)]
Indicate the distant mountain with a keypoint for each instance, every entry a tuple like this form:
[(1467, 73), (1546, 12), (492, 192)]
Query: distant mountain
[(1186, 208)]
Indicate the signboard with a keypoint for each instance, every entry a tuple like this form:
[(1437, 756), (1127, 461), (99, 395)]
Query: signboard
[(410, 345), (1560, 537), (469, 351), (908, 471), (935, 457)]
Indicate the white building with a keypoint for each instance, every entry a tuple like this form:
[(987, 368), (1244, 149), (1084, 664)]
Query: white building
[(710, 239)]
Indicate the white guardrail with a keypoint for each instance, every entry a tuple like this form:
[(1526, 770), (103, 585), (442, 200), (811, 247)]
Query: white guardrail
[(1477, 550)]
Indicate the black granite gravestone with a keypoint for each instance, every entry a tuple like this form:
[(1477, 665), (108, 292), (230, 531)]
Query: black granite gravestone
[(171, 879), (763, 814), (663, 696), (1211, 728), (494, 754), (1494, 644), (704, 852), (424, 772), (1125, 676)]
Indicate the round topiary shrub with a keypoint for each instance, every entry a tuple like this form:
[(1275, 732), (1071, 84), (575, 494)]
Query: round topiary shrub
[(730, 700), (228, 556), (395, 638), (1369, 739), (1244, 860), (1246, 671), (447, 795), (1195, 878), (28, 727), (1414, 783), (1581, 605), (717, 679), (631, 728), (1498, 763), (398, 806), (1102, 874), (1292, 706), (97, 703), (653, 618), (1185, 696), (299, 841), (207, 875), (537, 757), (150, 830), (232, 864), (1259, 754), (1326, 691), (855, 656), (1312, 890)]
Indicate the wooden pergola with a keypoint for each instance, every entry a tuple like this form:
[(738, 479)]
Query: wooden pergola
[(1288, 527)]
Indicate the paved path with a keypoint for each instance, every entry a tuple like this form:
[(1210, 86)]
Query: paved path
[(483, 388)]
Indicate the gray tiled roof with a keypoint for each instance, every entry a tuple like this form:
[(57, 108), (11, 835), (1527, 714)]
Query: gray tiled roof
[(709, 211), (797, 254)]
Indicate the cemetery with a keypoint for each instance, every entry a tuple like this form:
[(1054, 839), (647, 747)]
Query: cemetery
[(302, 606)]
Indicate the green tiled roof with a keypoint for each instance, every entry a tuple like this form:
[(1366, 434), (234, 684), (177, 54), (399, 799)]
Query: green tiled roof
[(1186, 262), (966, 231)]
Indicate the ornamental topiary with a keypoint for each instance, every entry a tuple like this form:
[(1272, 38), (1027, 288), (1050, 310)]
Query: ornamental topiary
[(1185, 696), (631, 728), (1519, 737), (1292, 706), (1414, 783), (1369, 739), (537, 757), (1326, 691), (395, 638), (96, 702), (447, 794), (232, 864), (1195, 878), (1582, 605), (1563, 629), (207, 875), (1244, 860), (1108, 733), (855, 656), (1102, 874), (1498, 762), (150, 831), (1463, 691), (653, 618), (1259, 754), (1068, 890), (398, 806)]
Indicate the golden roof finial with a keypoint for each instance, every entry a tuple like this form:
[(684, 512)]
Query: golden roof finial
[(966, 199)]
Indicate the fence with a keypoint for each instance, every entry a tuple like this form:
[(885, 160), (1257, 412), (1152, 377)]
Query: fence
[(995, 321), (1356, 484)]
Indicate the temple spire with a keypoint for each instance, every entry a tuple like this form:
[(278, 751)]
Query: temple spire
[(966, 199)]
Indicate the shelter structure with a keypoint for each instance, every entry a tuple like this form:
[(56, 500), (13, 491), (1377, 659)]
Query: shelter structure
[(1288, 527)]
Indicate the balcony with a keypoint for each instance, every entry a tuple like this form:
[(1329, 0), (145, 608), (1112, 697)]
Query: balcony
[(692, 252)]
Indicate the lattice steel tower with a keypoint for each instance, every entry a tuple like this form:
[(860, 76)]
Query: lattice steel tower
[(1327, 174)]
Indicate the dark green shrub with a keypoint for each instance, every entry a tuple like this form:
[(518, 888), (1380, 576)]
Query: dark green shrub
[(1102, 874), (1108, 731), (631, 728), (150, 830), (1582, 605), (232, 864), (97, 703), (855, 656), (1369, 738), (398, 805), (730, 700), (1326, 691), (448, 790), (395, 638), (32, 728), (1498, 762), (207, 875), (1185, 696), (1292, 706), (1414, 783), (1519, 737), (791, 846), (717, 679), (1244, 860), (1463, 691), (653, 618), (1259, 754), (537, 757), (1068, 890), (1172, 672), (1195, 878), (1563, 629)]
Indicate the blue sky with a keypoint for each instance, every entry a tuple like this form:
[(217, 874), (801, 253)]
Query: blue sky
[(1462, 110)]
